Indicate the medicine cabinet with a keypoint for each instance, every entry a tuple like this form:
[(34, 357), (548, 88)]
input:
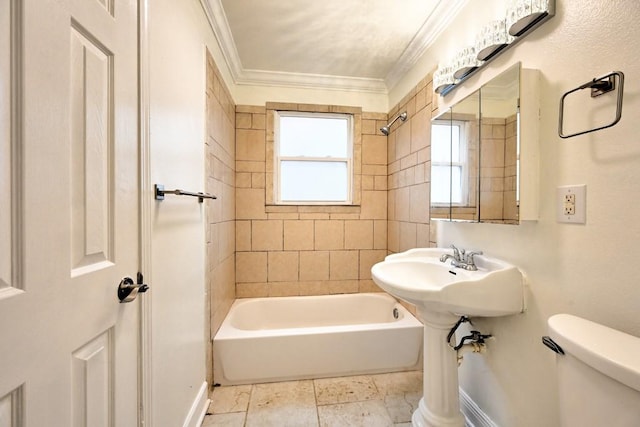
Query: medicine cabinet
[(484, 153)]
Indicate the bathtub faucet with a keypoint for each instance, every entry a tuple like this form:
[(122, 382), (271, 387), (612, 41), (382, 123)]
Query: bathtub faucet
[(461, 259)]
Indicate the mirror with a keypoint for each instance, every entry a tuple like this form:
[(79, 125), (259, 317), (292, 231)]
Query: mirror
[(475, 148), (454, 161)]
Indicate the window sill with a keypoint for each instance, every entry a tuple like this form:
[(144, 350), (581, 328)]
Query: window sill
[(313, 208)]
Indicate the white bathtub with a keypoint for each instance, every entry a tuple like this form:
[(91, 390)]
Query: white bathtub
[(286, 338)]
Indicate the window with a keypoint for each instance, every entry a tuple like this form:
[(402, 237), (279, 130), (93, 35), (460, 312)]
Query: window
[(449, 171), (313, 155)]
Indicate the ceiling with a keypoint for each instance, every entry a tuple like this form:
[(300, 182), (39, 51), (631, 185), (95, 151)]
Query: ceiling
[(363, 45)]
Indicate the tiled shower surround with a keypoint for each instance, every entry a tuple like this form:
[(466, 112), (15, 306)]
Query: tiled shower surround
[(258, 249), (307, 250), (316, 250), (409, 170), (220, 160)]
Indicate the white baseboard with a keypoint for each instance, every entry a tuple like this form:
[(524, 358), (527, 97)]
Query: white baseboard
[(198, 408), (473, 414)]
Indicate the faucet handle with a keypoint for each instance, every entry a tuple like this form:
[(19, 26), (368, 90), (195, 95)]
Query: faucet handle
[(469, 258), (456, 253)]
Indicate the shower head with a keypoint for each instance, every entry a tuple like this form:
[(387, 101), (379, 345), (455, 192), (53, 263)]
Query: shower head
[(386, 129)]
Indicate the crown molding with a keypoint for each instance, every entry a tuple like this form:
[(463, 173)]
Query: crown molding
[(218, 22), (436, 23), (311, 81)]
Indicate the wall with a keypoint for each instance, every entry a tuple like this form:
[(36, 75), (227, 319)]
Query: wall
[(409, 155), (221, 231), (307, 250), (177, 103), (577, 269)]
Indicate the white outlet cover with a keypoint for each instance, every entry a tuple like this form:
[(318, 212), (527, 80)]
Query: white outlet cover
[(580, 194)]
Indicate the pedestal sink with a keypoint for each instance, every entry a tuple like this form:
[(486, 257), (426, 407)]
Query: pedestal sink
[(441, 294)]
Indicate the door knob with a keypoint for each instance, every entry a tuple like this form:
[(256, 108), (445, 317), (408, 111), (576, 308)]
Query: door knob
[(128, 290)]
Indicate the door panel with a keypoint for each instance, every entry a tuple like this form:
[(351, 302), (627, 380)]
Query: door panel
[(69, 227), (92, 382), (10, 411), (91, 154)]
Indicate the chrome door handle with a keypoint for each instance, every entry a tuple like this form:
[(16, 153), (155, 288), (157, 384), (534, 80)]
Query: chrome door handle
[(128, 290)]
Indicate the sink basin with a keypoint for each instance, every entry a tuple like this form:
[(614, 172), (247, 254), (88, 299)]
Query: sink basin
[(418, 277)]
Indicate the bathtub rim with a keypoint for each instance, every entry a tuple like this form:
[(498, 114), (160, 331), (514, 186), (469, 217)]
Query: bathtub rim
[(227, 331)]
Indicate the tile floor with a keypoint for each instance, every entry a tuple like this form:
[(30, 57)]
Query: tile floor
[(382, 400)]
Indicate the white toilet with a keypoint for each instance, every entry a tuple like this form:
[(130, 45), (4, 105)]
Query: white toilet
[(598, 374)]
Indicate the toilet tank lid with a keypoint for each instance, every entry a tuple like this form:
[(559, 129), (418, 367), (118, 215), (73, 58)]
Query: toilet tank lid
[(612, 352)]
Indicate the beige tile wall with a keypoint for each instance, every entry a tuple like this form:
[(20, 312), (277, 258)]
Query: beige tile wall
[(498, 180), (220, 155), (307, 250), (409, 158), (492, 168)]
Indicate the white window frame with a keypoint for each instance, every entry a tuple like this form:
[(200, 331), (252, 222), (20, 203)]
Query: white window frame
[(463, 164), (278, 159)]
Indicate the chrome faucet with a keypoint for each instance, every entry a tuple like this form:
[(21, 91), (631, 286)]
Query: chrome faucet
[(455, 257), (461, 259)]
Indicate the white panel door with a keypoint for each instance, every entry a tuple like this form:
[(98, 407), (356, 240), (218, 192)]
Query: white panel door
[(68, 212)]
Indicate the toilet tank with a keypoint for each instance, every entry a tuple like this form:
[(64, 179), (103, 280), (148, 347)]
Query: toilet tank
[(598, 375)]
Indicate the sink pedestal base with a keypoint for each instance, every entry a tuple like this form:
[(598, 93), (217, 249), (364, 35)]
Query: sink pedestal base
[(440, 405)]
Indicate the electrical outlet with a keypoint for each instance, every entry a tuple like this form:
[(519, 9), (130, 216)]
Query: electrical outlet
[(571, 203), (569, 209)]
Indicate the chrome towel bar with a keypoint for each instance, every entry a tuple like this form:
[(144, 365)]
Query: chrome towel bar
[(160, 193)]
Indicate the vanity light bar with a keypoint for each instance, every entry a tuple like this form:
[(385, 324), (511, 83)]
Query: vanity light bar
[(492, 38), (522, 17)]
